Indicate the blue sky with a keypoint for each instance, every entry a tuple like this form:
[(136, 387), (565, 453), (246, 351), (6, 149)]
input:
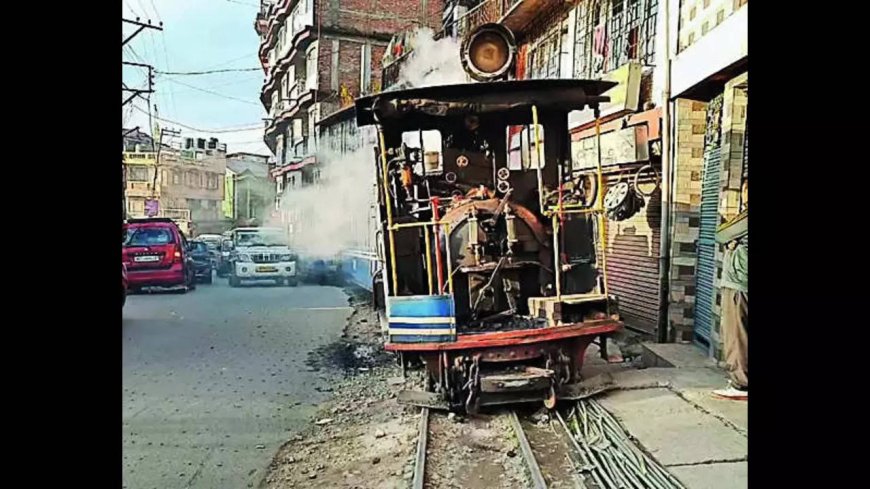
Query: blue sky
[(199, 35)]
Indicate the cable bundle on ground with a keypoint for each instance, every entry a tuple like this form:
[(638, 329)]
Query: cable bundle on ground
[(608, 454)]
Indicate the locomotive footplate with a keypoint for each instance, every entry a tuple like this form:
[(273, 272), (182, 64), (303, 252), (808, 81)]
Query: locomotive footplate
[(569, 392)]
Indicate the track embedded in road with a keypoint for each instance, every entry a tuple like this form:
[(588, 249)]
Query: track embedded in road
[(491, 457), (589, 450)]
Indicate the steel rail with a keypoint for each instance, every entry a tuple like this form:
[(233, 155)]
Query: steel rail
[(422, 441), (528, 456)]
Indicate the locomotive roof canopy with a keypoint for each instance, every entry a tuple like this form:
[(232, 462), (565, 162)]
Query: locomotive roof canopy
[(510, 101)]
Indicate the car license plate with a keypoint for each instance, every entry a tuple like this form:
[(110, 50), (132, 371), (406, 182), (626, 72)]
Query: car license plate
[(267, 269), (146, 258)]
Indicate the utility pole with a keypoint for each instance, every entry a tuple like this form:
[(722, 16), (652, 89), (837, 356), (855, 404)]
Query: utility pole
[(135, 92), (666, 184), (162, 132), (141, 27)]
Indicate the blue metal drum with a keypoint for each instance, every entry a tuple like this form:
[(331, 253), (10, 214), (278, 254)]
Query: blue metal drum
[(421, 319)]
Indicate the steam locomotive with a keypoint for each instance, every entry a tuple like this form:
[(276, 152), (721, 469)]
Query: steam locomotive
[(494, 272)]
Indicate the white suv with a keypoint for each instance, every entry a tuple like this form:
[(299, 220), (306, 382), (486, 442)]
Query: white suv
[(261, 254)]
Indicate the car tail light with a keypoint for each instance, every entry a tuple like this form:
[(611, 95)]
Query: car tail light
[(176, 257)]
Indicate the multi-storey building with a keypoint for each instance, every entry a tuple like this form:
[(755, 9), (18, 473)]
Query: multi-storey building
[(318, 56), (249, 189), (185, 184)]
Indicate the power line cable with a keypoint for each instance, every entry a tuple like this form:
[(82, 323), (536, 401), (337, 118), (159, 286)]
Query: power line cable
[(257, 127), (244, 3), (216, 94), (208, 72)]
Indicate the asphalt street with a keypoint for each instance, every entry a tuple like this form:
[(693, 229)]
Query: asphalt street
[(215, 380)]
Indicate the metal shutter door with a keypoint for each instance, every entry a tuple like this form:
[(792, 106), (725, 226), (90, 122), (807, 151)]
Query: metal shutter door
[(705, 273), (633, 264)]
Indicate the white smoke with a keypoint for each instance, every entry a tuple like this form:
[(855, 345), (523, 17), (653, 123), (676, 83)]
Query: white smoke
[(338, 213), (335, 214), (432, 62)]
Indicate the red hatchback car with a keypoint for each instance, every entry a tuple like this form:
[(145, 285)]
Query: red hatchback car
[(155, 255)]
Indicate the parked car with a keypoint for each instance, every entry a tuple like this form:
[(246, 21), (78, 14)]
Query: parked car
[(202, 260), (155, 254), (214, 244), (123, 285)]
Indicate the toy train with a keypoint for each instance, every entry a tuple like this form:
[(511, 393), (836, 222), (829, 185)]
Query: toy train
[(494, 272)]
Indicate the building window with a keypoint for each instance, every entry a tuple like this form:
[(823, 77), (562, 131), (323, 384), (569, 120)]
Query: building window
[(335, 51), (137, 174), (612, 33), (544, 59), (176, 178), (311, 67)]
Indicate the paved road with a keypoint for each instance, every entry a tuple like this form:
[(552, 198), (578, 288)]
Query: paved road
[(215, 380)]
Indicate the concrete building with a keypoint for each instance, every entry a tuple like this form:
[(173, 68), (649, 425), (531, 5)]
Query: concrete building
[(142, 181), (710, 100), (318, 56), (249, 188), (186, 184)]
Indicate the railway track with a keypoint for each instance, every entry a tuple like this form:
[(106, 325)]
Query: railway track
[(507, 449), (515, 446)]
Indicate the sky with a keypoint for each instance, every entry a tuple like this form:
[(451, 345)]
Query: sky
[(198, 35)]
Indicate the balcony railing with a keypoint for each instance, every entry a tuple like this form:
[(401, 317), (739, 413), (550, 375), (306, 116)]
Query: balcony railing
[(140, 189), (146, 158)]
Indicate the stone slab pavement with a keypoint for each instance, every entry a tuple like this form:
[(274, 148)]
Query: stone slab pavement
[(672, 415)]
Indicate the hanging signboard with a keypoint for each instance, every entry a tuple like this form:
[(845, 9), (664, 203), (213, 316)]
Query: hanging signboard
[(617, 147), (624, 97), (152, 207)]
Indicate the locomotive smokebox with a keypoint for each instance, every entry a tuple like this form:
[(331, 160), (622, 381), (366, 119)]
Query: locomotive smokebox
[(489, 52)]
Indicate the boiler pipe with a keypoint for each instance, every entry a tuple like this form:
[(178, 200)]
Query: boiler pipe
[(437, 230), (389, 206)]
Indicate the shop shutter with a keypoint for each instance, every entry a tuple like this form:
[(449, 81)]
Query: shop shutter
[(633, 261), (705, 273)]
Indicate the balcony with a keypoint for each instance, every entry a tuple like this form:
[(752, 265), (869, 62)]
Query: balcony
[(141, 189), (516, 15), (285, 27), (261, 23)]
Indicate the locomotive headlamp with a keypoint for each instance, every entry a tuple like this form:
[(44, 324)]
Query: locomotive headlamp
[(489, 52)]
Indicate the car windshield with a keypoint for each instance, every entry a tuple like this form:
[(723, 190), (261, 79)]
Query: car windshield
[(148, 236), (264, 238), (212, 242), (200, 247)]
